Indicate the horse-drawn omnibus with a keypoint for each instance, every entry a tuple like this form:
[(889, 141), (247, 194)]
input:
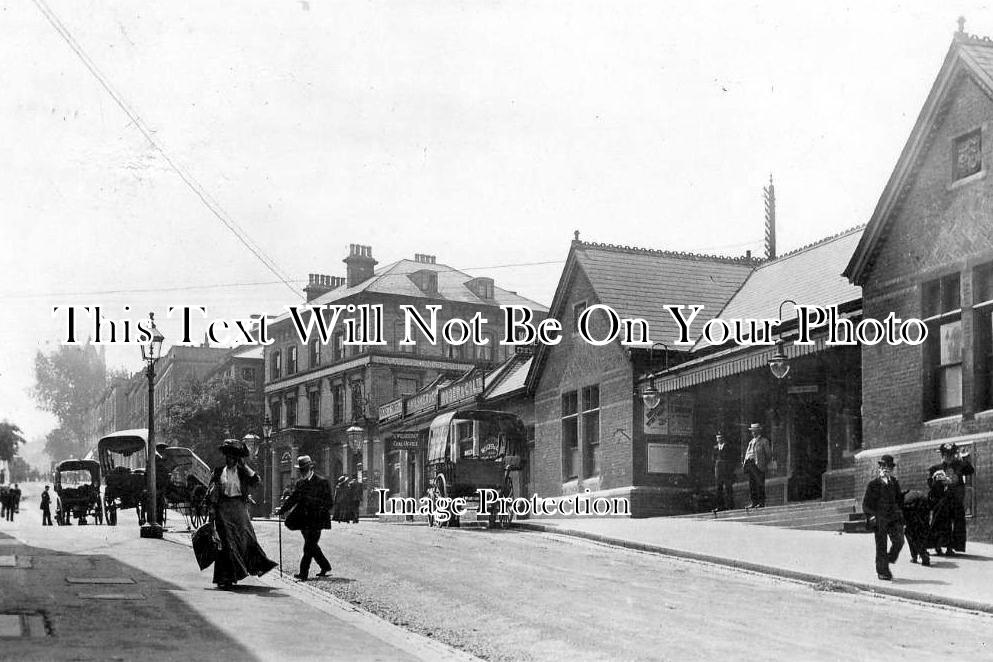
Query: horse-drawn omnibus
[(77, 491), (123, 456)]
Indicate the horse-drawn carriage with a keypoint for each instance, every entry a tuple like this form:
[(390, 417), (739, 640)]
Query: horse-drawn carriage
[(77, 491), (189, 477), (470, 450), (122, 457)]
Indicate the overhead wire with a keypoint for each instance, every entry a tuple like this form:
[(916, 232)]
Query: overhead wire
[(212, 205)]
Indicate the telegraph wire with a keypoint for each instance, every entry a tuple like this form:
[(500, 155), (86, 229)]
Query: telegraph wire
[(187, 178)]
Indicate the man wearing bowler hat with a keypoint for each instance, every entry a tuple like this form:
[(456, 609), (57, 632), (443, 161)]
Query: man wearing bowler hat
[(755, 463), (883, 507), (312, 498)]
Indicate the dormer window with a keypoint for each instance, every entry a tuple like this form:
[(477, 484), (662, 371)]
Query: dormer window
[(481, 287), (426, 280), (967, 155)]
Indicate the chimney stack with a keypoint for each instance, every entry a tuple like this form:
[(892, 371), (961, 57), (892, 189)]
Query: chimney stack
[(319, 284), (359, 265), (424, 259)]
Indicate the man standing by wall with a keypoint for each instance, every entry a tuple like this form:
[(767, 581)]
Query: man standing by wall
[(756, 461), (725, 460)]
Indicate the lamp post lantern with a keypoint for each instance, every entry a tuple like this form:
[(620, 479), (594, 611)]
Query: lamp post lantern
[(651, 395), (779, 364), (151, 353), (354, 435)]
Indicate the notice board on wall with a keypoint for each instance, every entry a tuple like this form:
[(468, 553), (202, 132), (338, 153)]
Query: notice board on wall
[(668, 458)]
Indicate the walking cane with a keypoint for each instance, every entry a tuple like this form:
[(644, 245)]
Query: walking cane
[(279, 523)]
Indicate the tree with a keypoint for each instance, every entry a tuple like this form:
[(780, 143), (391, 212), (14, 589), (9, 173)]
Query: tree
[(62, 444), (203, 414), (67, 381), (10, 438)]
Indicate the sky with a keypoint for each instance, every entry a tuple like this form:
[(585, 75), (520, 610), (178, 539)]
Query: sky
[(484, 133)]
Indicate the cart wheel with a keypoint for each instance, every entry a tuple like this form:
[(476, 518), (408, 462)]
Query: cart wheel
[(508, 493)]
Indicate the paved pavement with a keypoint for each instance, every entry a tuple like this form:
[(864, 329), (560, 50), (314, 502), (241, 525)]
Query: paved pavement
[(102, 593), (815, 556)]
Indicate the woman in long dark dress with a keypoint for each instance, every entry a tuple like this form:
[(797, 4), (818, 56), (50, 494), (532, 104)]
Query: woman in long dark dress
[(240, 554)]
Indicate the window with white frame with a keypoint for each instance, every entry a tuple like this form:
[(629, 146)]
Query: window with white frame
[(591, 430), (982, 316), (942, 312), (570, 435)]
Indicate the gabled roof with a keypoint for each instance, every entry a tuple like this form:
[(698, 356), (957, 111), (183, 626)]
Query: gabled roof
[(967, 54), (808, 276), (638, 282)]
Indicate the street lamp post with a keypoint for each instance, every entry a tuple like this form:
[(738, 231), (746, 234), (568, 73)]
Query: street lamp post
[(267, 462), (151, 353)]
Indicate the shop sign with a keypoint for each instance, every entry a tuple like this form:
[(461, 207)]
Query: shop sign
[(422, 402), (462, 391), (391, 410), (673, 416), (407, 441)]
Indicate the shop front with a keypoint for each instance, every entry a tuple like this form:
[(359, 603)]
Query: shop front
[(811, 417)]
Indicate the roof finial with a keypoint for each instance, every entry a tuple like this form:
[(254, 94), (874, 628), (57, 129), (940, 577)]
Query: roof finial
[(961, 23), (575, 235)]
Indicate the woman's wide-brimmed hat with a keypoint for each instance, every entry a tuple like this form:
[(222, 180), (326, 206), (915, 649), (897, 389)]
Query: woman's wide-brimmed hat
[(234, 447), (948, 448)]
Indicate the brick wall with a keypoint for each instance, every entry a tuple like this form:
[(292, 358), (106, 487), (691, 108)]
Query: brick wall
[(939, 227), (569, 366)]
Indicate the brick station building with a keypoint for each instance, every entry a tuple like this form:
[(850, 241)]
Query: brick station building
[(928, 253), (589, 416)]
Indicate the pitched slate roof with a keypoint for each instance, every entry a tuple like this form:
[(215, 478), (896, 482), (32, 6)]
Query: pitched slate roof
[(809, 276), (638, 282), (969, 54), (394, 279)]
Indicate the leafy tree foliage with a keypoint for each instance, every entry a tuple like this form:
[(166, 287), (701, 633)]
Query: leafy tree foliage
[(10, 438), (203, 414), (67, 382)]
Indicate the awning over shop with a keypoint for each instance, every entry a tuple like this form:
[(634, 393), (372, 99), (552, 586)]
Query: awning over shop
[(731, 362)]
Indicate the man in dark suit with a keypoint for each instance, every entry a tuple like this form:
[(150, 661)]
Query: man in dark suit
[(312, 498), (725, 461), (883, 506)]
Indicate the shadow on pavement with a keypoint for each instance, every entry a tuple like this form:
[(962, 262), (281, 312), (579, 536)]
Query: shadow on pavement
[(146, 619)]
